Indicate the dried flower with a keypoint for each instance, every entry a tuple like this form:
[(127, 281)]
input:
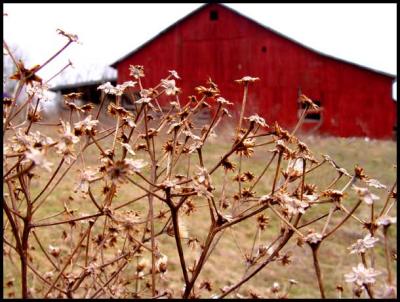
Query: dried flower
[(222, 101), (71, 37), (362, 244), (174, 74), (144, 100), (228, 165), (136, 165), (161, 264), (207, 92), (308, 102), (294, 170), (246, 148), (54, 251), (205, 285), (107, 88), (386, 220), (117, 171), (127, 84), (38, 157), (202, 182), (174, 127), (313, 237), (128, 120), (359, 173), (86, 126), (335, 195), (275, 287), (39, 90), (365, 195), (247, 79), (257, 120), (285, 259), (27, 75), (361, 275), (114, 110), (85, 178), (66, 144), (262, 221), (128, 148), (170, 88), (292, 204), (375, 183), (137, 71), (293, 281)]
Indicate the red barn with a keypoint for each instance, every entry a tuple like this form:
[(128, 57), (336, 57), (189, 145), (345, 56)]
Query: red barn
[(215, 41)]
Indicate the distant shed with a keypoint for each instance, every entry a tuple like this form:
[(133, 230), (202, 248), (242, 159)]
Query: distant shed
[(219, 42), (89, 89)]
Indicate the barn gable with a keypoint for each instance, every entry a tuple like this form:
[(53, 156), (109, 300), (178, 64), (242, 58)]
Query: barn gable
[(205, 6), (219, 42)]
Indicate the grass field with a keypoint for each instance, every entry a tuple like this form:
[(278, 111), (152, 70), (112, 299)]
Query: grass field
[(227, 265)]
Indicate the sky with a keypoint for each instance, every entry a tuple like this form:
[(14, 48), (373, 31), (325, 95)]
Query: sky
[(361, 33)]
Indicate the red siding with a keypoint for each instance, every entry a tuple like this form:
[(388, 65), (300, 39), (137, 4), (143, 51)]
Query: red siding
[(356, 101)]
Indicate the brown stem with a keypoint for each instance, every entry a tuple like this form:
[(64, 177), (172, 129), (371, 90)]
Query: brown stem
[(31, 121), (301, 119), (388, 198), (55, 55), (314, 248), (277, 172), (387, 255), (59, 72), (175, 223), (263, 172), (343, 221), (44, 251), (109, 280), (285, 239), (233, 149), (243, 106), (50, 180), (67, 262), (200, 264), (37, 225)]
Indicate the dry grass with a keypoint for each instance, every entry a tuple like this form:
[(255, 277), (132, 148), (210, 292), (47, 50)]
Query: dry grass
[(227, 264)]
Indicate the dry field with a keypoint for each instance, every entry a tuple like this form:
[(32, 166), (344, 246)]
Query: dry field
[(227, 264)]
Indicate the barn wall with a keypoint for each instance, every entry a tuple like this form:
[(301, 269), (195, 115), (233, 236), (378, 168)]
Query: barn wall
[(355, 101)]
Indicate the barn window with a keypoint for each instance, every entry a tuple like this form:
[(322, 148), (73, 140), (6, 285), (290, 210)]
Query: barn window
[(213, 15), (312, 115)]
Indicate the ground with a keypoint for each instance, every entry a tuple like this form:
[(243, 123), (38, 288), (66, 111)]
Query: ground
[(227, 265)]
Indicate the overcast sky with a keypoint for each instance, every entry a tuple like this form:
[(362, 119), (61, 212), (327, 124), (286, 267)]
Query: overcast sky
[(360, 33)]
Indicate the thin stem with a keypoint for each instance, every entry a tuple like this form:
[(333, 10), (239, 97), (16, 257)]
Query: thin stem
[(67, 262), (277, 171), (263, 172), (55, 55), (387, 255), (285, 239), (388, 198), (286, 222), (343, 221), (175, 223), (243, 107), (44, 251), (50, 180), (314, 249)]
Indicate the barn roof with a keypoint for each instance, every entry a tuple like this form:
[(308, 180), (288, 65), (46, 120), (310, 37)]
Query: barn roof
[(82, 84), (257, 23)]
